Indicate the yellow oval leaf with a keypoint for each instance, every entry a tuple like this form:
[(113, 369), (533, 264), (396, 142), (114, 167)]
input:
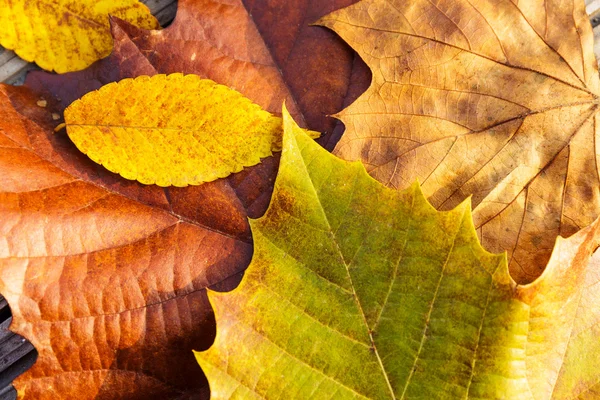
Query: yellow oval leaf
[(172, 130), (66, 35)]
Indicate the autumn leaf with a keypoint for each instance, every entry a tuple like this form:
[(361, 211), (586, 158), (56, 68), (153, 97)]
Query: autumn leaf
[(494, 99), (106, 277), (265, 50), (198, 131), (65, 35), (359, 291)]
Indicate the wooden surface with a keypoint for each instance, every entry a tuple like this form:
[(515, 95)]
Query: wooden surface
[(16, 353)]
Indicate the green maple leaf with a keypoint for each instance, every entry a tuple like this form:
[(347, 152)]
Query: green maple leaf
[(359, 291)]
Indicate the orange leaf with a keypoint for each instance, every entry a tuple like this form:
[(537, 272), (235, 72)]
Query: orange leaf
[(217, 208), (107, 278)]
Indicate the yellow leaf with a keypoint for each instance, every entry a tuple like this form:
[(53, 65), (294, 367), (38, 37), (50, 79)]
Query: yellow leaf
[(66, 35), (174, 129)]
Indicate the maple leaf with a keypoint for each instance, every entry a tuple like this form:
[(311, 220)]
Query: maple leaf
[(265, 50), (359, 291), (106, 278), (65, 35), (199, 130), (497, 99)]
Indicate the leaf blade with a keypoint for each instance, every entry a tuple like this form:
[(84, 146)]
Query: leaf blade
[(199, 131), (446, 320), (521, 110), (269, 66), (102, 282), (51, 44)]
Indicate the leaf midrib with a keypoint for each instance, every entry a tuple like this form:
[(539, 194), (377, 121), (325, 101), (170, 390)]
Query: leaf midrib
[(170, 211), (430, 311), (73, 13), (136, 127), (354, 295), (358, 304)]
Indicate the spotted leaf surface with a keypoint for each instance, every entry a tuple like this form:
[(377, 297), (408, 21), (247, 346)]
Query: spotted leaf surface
[(66, 35), (172, 130)]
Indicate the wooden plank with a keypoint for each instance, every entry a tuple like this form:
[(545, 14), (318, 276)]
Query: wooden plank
[(8, 393), (13, 70), (166, 14), (4, 314), (12, 348), (593, 9), (156, 6), (16, 354)]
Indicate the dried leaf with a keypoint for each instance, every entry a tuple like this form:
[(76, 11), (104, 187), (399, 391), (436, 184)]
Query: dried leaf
[(494, 99), (359, 291), (65, 35), (106, 277), (172, 129)]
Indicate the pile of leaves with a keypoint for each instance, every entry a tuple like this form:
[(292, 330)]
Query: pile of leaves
[(145, 209)]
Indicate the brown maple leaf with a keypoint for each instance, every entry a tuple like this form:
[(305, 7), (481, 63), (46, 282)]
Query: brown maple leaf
[(495, 99), (106, 276)]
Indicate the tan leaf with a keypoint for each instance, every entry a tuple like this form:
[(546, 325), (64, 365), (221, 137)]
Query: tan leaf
[(497, 99)]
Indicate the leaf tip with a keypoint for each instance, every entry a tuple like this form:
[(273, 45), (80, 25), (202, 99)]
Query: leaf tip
[(325, 21)]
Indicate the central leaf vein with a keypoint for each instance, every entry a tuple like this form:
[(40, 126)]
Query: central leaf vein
[(354, 295), (428, 317)]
